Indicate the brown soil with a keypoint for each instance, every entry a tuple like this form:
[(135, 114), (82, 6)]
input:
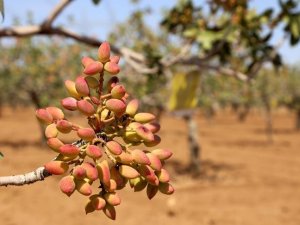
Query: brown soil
[(245, 180)]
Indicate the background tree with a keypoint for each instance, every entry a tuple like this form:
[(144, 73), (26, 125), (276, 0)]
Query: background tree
[(290, 92), (231, 38), (34, 70), (226, 37)]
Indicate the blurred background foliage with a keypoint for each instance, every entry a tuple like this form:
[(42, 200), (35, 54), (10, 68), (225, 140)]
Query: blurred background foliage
[(222, 37), (33, 70), (221, 32)]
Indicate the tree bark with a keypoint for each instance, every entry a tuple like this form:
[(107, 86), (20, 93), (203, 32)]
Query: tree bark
[(298, 119), (18, 180), (194, 146), (269, 124), (246, 106), (1, 107), (268, 113), (244, 112)]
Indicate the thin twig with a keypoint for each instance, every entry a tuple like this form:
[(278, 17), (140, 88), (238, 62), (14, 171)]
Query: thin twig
[(55, 13), (220, 69), (171, 60), (257, 66), (100, 87)]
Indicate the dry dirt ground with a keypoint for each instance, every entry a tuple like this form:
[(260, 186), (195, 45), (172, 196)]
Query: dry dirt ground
[(246, 180)]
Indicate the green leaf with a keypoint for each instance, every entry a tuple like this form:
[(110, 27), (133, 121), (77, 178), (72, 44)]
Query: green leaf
[(2, 9), (191, 33), (96, 2), (295, 27), (207, 38), (1, 155), (268, 13), (265, 16)]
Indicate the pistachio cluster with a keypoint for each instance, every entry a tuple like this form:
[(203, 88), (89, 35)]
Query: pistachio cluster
[(105, 152)]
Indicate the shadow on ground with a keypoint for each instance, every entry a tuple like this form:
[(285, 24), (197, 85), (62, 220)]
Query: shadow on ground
[(209, 170), (21, 144)]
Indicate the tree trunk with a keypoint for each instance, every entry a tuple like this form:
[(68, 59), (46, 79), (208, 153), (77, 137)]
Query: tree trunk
[(269, 124), (194, 146), (268, 114), (298, 119), (158, 112), (245, 109), (35, 99), (244, 112), (1, 107)]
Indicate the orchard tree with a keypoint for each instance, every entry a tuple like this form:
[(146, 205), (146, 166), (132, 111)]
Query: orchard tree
[(226, 37), (37, 69), (230, 38), (290, 92), (33, 71)]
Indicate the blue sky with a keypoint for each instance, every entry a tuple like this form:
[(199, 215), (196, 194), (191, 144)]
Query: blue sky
[(100, 20)]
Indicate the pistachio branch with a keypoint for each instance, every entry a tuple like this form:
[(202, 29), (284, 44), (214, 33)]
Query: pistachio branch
[(28, 178), (38, 174)]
